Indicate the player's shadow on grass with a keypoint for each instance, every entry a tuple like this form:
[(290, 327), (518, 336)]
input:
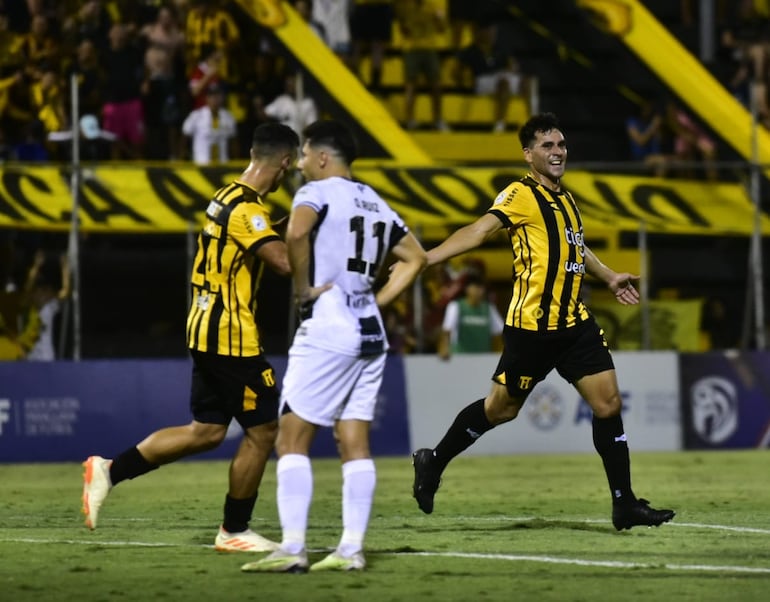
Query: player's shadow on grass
[(507, 525)]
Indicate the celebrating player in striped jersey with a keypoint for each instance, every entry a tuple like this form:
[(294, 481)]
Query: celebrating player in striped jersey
[(231, 378), (547, 325)]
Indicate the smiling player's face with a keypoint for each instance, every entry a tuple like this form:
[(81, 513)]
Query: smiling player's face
[(547, 155)]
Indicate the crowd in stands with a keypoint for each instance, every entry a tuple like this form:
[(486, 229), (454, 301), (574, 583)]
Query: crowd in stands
[(157, 77), (143, 66), (665, 135)]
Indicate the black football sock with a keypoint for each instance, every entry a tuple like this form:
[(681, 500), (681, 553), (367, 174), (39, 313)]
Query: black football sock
[(129, 465), (238, 513), (610, 442), (468, 426)]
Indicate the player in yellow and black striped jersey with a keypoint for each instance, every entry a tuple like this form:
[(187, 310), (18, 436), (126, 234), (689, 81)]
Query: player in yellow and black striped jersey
[(547, 324), (231, 377), (546, 235), (226, 273)]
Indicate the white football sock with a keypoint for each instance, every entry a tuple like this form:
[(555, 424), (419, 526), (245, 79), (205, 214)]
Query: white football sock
[(358, 482), (295, 490)]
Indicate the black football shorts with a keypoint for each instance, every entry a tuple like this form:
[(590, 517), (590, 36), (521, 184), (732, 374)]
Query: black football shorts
[(528, 356), (225, 387)]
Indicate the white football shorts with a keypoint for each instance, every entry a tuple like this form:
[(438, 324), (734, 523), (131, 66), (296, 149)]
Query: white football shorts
[(323, 386)]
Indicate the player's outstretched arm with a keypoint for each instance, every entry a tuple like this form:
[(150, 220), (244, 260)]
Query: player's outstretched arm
[(466, 238), (620, 283), (412, 260)]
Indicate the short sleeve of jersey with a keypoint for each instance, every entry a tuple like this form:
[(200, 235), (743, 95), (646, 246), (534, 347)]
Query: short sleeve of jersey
[(309, 195), (512, 204), (249, 225)]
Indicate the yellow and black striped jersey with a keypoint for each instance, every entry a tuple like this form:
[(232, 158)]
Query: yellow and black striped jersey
[(216, 27), (226, 273), (546, 234)]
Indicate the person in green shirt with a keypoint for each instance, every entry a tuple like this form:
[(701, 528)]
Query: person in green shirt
[(472, 323)]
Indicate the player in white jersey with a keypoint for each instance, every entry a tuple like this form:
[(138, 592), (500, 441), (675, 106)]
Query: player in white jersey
[(339, 233)]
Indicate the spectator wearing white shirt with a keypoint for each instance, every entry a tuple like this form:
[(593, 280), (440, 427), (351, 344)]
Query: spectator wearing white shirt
[(212, 129), (292, 109), (47, 300), (334, 17)]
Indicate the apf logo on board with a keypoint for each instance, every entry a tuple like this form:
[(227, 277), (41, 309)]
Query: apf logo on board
[(714, 404), (545, 408)]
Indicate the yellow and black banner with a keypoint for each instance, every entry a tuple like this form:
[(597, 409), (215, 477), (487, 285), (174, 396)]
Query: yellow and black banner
[(674, 324), (157, 199)]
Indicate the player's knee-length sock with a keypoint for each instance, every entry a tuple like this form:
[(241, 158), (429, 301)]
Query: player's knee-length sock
[(610, 442), (359, 479), (129, 465), (468, 426), (295, 490)]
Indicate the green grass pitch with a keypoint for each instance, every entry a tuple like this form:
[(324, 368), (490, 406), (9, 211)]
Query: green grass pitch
[(525, 527)]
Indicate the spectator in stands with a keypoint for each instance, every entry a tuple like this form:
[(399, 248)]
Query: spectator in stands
[(715, 326), (46, 298), (212, 129), (493, 70), (210, 24), (208, 71), (472, 324), (48, 100), (333, 16), (15, 346), (758, 65), (262, 83), (645, 136), (19, 322), (10, 85), (290, 109), (691, 142), (164, 101), (422, 22), (371, 27), (305, 10), (441, 285), (91, 78), (733, 66), (39, 46), (123, 112), (462, 15), (93, 21), (11, 47)]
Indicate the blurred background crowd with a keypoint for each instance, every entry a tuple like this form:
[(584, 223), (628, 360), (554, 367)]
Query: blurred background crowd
[(154, 75)]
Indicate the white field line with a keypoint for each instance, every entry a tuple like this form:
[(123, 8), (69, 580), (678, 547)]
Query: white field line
[(613, 564)]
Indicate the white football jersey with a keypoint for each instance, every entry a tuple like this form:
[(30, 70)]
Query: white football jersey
[(355, 231)]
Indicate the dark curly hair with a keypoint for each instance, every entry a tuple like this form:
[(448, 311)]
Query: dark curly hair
[(542, 122), (335, 135)]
